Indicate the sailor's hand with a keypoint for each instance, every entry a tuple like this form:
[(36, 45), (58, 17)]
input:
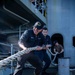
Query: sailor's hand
[(39, 48), (24, 48), (47, 46)]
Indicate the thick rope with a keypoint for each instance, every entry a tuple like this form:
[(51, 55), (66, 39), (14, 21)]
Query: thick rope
[(14, 56), (54, 54)]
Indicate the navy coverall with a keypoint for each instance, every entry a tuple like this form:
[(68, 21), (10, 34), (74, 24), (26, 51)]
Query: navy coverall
[(29, 39), (43, 55)]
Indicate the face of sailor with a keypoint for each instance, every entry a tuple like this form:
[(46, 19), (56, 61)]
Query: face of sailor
[(45, 32), (36, 31), (57, 44)]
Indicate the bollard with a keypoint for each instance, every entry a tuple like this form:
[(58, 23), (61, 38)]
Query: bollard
[(63, 66)]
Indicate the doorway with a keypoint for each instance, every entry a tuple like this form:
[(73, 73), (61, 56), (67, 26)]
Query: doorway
[(57, 37)]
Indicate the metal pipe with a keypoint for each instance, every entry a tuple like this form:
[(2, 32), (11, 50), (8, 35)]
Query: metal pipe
[(15, 14), (19, 17), (11, 61), (20, 29), (11, 54), (5, 44), (9, 45), (72, 69)]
